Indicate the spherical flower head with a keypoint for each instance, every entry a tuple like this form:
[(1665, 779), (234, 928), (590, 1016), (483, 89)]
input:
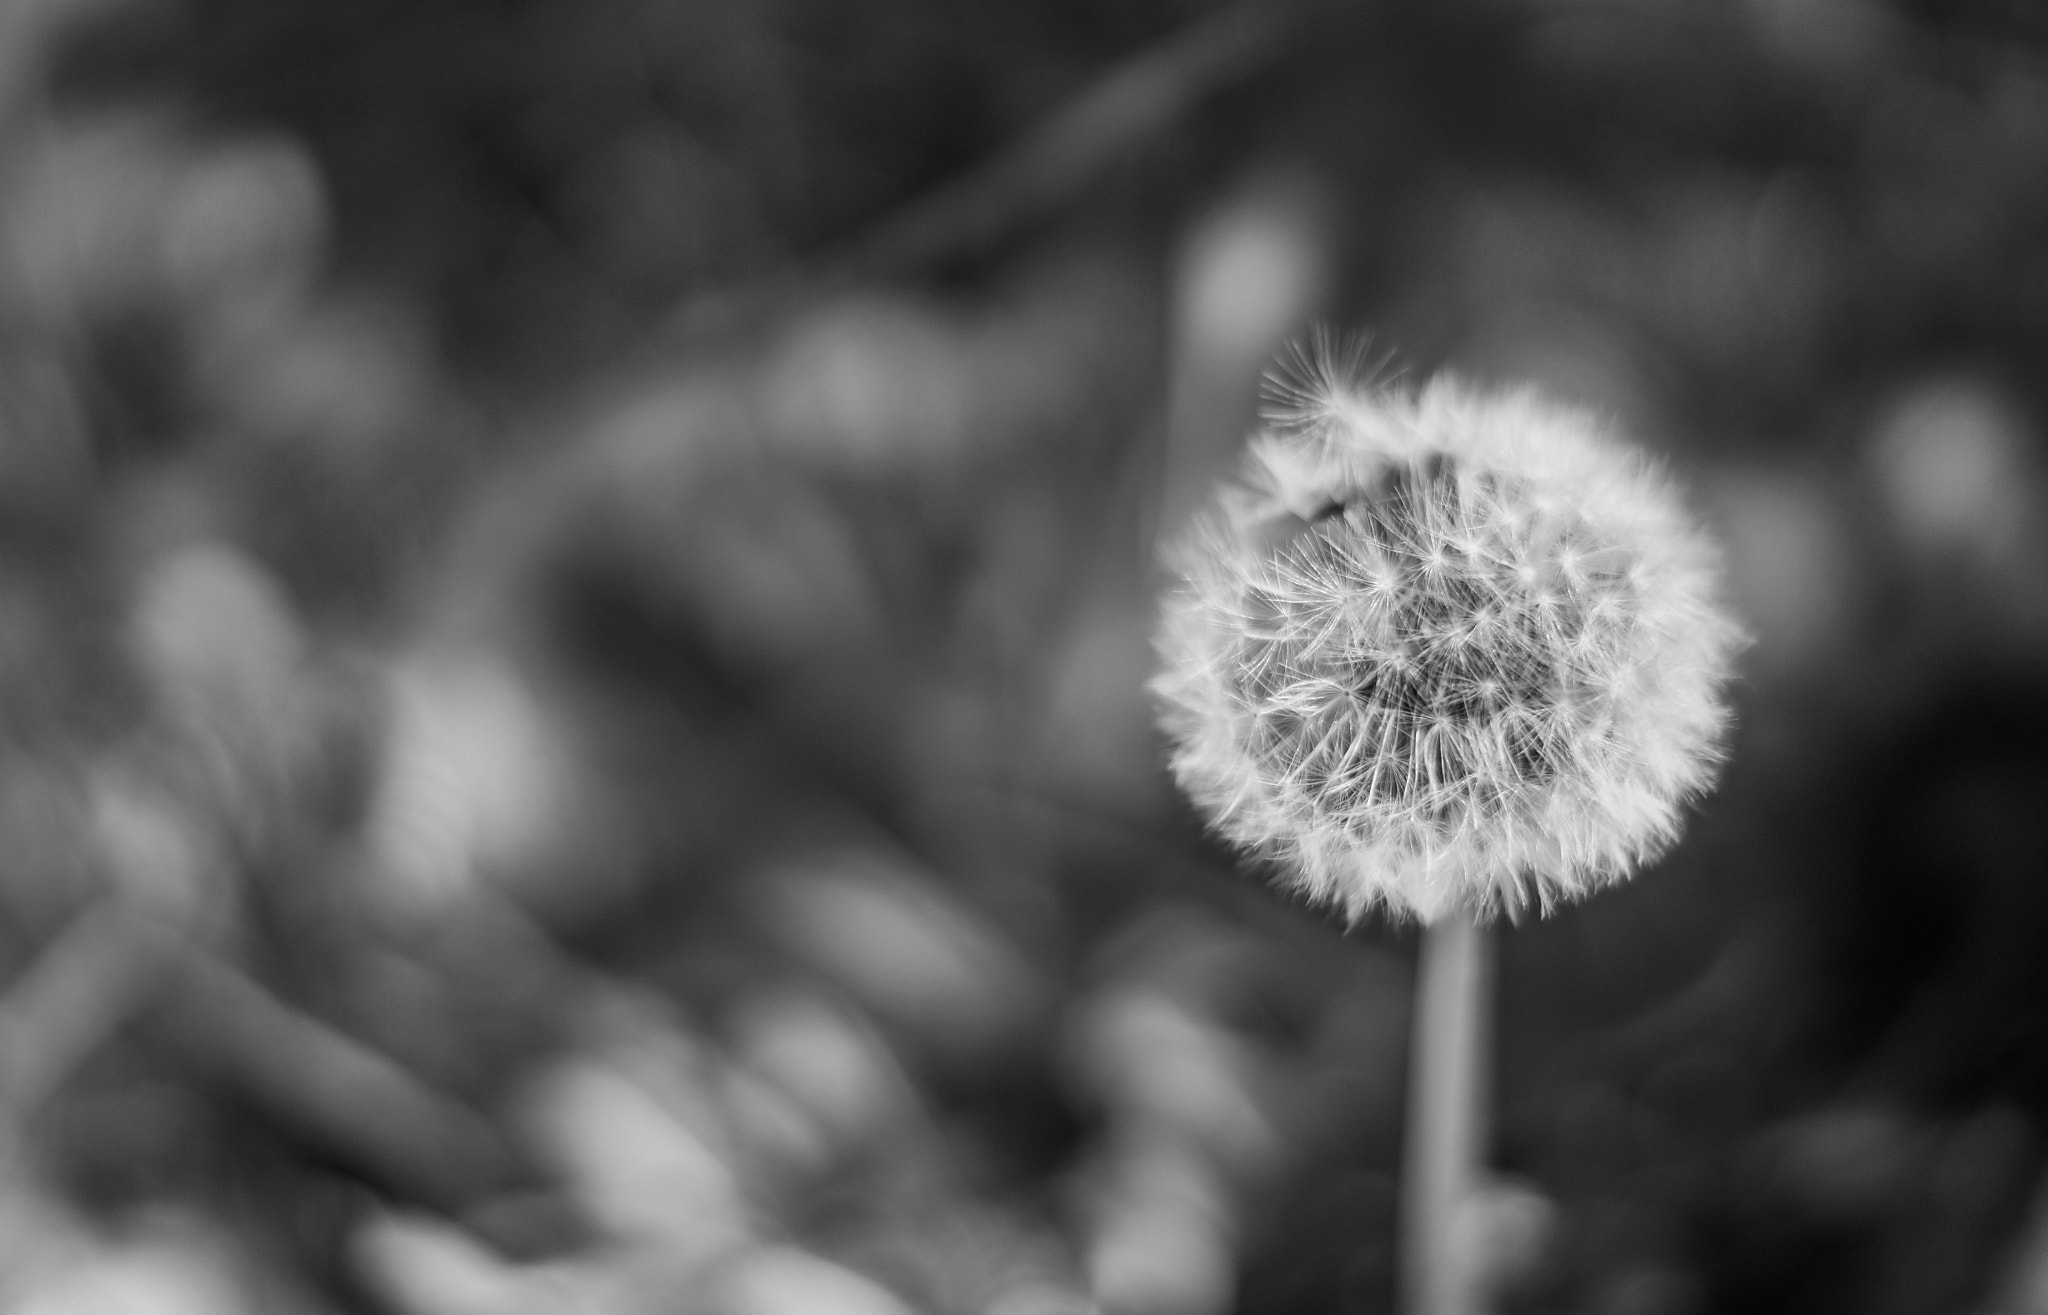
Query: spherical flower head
[(1445, 651)]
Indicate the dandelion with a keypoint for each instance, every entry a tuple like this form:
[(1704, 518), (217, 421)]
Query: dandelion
[(1447, 654), (1449, 651)]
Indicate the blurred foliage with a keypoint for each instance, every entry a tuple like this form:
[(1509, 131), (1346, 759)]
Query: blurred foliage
[(574, 587)]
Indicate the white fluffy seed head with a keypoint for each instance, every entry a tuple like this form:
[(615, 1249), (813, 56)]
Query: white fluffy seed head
[(1445, 651)]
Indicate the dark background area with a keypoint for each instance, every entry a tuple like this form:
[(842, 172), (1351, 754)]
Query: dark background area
[(575, 581)]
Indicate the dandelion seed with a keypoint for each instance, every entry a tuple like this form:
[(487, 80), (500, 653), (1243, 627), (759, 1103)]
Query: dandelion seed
[(1445, 651)]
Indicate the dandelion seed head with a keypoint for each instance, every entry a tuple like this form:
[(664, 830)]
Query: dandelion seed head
[(1444, 650)]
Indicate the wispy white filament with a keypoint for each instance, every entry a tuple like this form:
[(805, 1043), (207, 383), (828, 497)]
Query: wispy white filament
[(1442, 651)]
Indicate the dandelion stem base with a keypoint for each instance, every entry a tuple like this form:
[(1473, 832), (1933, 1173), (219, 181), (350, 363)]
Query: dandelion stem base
[(1448, 1078)]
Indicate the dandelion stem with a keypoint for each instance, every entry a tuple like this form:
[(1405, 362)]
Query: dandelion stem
[(1446, 1118)]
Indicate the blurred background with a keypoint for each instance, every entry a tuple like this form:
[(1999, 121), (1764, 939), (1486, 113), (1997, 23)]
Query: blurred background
[(574, 590)]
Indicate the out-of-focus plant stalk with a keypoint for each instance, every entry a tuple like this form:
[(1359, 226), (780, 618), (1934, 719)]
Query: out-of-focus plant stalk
[(72, 996), (1447, 1123)]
